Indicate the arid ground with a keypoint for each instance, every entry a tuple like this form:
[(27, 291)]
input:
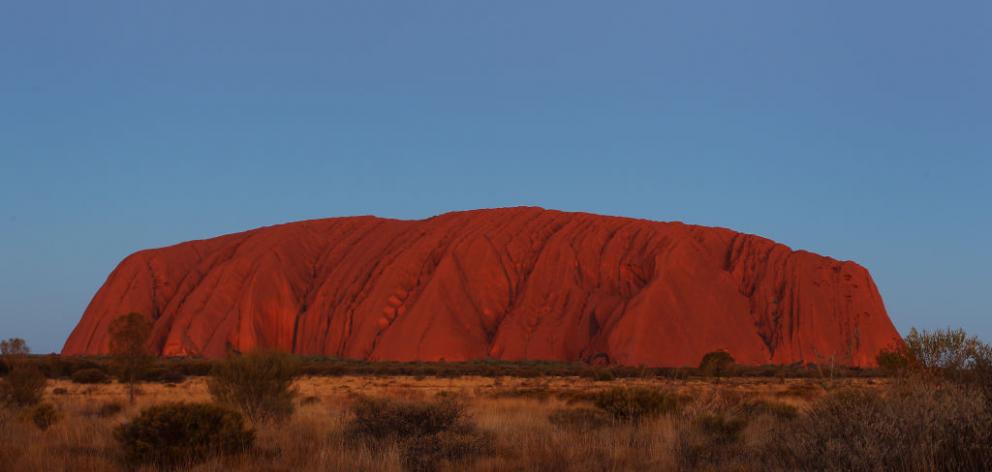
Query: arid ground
[(514, 411)]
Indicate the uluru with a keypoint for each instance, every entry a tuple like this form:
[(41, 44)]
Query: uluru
[(509, 284)]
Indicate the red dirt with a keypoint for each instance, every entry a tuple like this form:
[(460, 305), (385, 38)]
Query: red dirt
[(515, 283)]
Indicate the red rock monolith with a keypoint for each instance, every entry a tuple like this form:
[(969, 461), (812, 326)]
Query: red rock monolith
[(514, 283)]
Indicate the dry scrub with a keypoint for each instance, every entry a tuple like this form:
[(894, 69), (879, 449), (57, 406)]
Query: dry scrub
[(501, 424)]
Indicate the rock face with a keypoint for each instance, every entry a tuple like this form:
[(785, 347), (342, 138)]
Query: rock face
[(515, 283)]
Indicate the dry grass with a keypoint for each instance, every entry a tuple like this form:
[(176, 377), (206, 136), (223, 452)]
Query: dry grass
[(314, 438)]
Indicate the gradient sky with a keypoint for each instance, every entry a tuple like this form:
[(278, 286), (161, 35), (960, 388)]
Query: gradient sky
[(858, 130)]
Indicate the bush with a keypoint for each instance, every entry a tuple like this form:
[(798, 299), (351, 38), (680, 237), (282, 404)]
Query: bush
[(171, 377), (717, 364), (603, 375), (108, 409), (712, 442), (782, 411), (427, 432), (950, 353), (309, 400), (23, 386), (59, 391), (43, 415), (90, 376), (182, 434), (384, 418), (721, 428), (424, 453), (257, 384), (635, 403), (164, 375), (581, 419), (915, 425), (895, 360)]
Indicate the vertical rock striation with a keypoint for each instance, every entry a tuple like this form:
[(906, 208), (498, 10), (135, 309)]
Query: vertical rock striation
[(515, 283)]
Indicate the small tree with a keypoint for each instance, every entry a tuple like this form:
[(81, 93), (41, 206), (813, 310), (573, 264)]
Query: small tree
[(23, 386), (259, 384), (129, 347), (950, 352), (25, 383), (895, 360), (717, 364), (14, 347)]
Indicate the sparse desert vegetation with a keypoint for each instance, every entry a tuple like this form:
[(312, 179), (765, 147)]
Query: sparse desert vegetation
[(933, 416)]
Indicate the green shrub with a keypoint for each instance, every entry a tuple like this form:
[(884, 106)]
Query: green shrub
[(260, 385), (635, 403), (182, 434), (427, 432), (582, 419), (43, 415), (90, 376), (23, 386)]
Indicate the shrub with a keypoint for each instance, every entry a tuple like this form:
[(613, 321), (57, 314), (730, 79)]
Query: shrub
[(603, 375), (164, 375), (717, 364), (108, 409), (427, 432), (182, 434), (635, 403), (309, 400), (90, 376), (581, 419), (43, 415), (171, 377), (23, 386), (424, 453), (778, 410), (949, 352), (895, 360), (915, 425), (721, 428), (257, 384), (384, 418), (59, 391), (712, 442), (806, 391)]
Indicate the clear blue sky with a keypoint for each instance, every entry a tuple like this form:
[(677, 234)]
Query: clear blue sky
[(858, 130)]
